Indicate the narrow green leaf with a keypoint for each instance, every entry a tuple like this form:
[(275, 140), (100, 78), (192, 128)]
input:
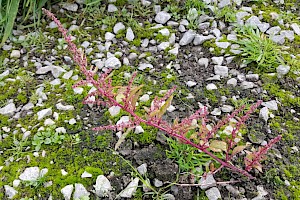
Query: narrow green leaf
[(12, 13)]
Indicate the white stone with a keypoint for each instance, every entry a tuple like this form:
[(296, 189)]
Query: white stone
[(221, 70), (113, 63), (296, 28), (8, 110), (70, 6), (68, 75), (171, 108), (272, 105), (67, 191), (162, 17), (60, 106), (207, 181), (85, 44), (145, 98), (49, 122), (264, 113), (114, 110), (211, 86), (63, 172), (55, 82), (139, 129), (213, 194), (191, 83), (187, 38), (199, 39), (247, 85), (72, 121), (162, 46), (102, 186), (164, 32), (129, 191), (129, 34), (30, 174), (15, 54), (86, 175), (78, 90), (118, 27), (10, 192), (282, 70), (216, 111), (80, 191), (44, 113), (112, 8), (109, 36), (142, 169), (232, 82), (16, 183), (60, 130), (4, 74), (123, 119), (143, 66), (223, 45)]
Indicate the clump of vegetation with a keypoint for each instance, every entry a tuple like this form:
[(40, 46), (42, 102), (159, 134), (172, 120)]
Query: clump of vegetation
[(258, 49)]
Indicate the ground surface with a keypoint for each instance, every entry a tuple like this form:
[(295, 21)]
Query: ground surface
[(46, 128)]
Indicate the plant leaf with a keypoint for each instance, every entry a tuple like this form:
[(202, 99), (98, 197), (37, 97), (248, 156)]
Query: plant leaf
[(238, 149), (122, 138), (12, 13), (218, 146)]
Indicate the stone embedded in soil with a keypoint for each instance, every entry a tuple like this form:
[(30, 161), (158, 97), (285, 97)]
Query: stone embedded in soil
[(217, 60), (129, 191), (118, 27), (143, 66), (44, 113), (278, 39), (139, 129), (30, 174), (232, 82), (4, 74), (114, 110), (162, 46), (109, 36), (142, 169), (224, 3), (252, 77), (112, 8), (8, 110), (187, 38), (221, 70), (86, 175), (207, 181), (67, 191), (247, 85), (158, 183), (70, 7), (264, 114), (272, 105), (216, 111), (113, 63), (191, 83), (282, 70), (211, 86), (60, 106), (296, 28), (274, 30), (80, 191), (162, 17), (223, 45), (10, 192), (213, 194), (199, 39), (227, 108), (203, 62), (102, 187), (129, 34), (15, 54)]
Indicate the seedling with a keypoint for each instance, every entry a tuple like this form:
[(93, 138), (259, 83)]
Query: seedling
[(47, 137)]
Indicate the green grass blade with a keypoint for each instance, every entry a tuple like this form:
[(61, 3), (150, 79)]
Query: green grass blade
[(12, 13)]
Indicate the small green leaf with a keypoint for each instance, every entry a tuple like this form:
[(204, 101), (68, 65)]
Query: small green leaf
[(47, 141)]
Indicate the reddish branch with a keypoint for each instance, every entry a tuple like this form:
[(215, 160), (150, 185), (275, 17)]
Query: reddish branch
[(105, 91)]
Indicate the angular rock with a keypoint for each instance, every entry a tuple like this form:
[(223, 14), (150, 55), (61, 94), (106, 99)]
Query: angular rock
[(70, 7), (15, 54), (113, 63), (109, 36), (221, 70), (213, 194), (272, 105), (264, 114), (203, 62), (142, 169), (4, 74), (274, 30), (129, 34), (10, 192), (207, 181), (143, 66), (232, 82), (278, 39), (217, 60), (139, 129), (118, 27), (211, 86), (8, 110), (282, 70), (223, 45), (80, 191), (112, 8), (102, 187), (296, 28), (162, 46), (114, 110), (30, 174), (191, 83), (224, 3), (199, 39), (67, 191), (129, 191), (187, 38), (44, 113), (162, 17), (227, 108), (60, 106), (247, 85)]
